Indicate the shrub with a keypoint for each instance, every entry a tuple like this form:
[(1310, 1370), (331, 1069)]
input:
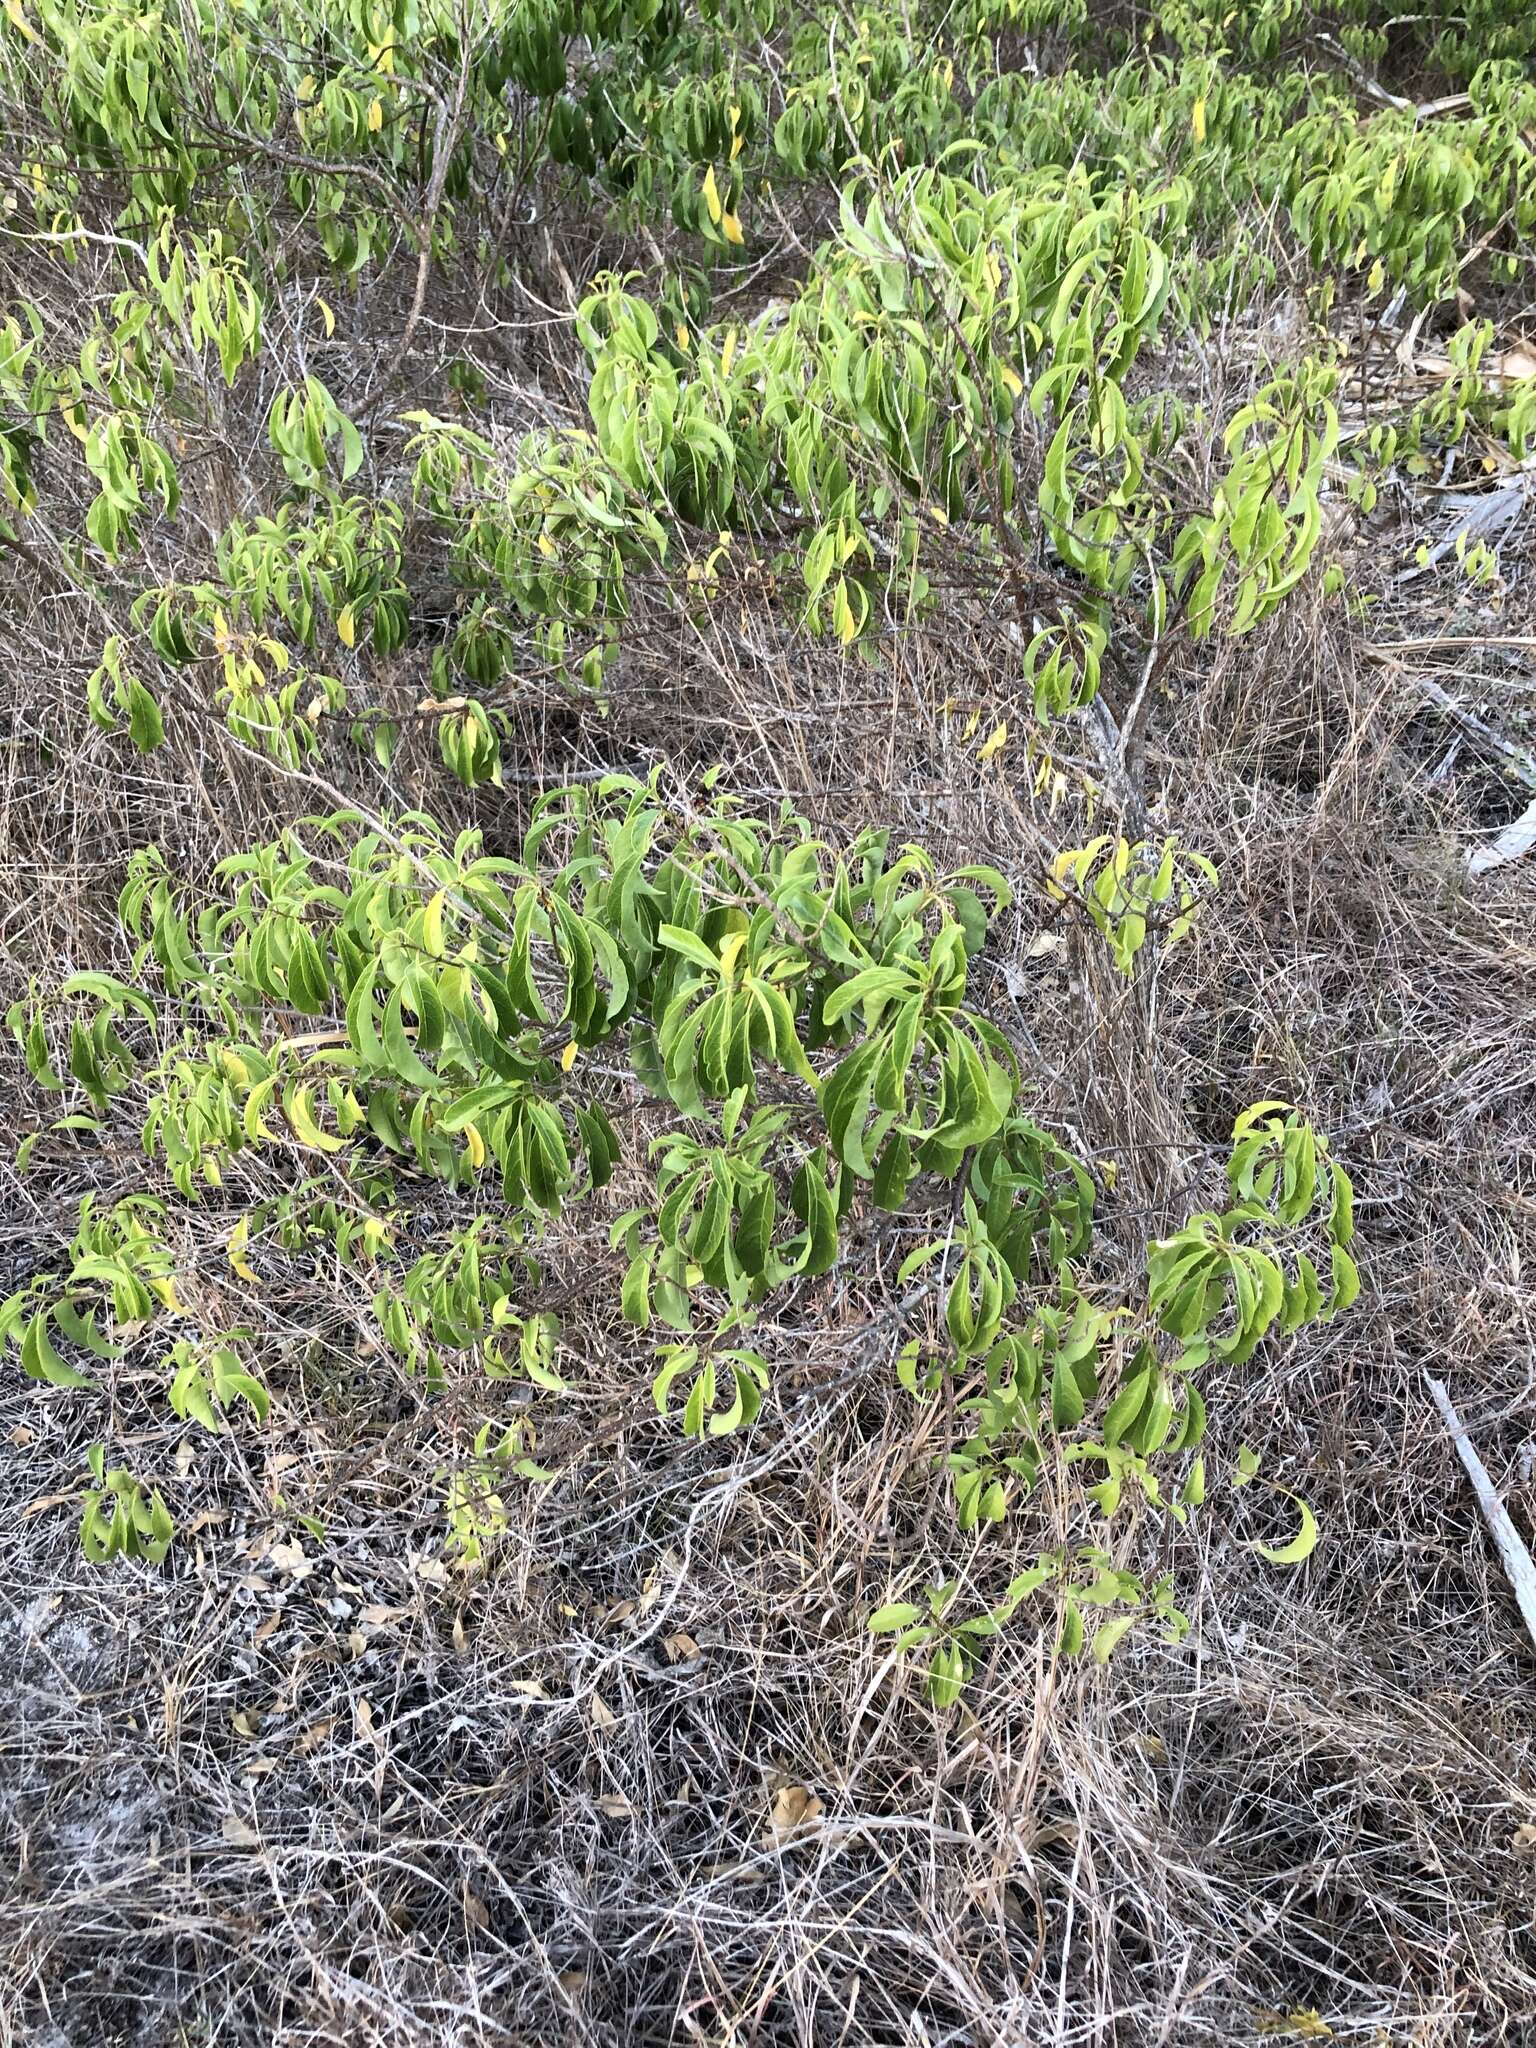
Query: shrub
[(392, 1006)]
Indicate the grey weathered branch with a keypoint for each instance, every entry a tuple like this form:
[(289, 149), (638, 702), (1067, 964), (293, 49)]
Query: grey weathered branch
[(1513, 1554)]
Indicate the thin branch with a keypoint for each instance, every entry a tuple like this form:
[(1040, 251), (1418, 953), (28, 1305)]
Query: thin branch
[(445, 140), (1510, 1544)]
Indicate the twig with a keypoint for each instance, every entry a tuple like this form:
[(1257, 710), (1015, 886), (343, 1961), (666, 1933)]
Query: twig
[(1388, 650), (1522, 762), (445, 140), (1510, 1544), (1451, 103), (1371, 87), (30, 556), (1513, 843)]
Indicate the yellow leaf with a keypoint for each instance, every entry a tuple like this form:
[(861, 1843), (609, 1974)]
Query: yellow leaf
[(682, 337), (728, 354), (712, 195), (1012, 379), (547, 546), (328, 317), (794, 1807), (730, 227), (474, 1144), (306, 88), (994, 744), (375, 116), (250, 1115), (239, 1237), (1197, 118), (568, 1057), (1294, 2026), (296, 1107), (1301, 1545), (19, 20), (346, 626)]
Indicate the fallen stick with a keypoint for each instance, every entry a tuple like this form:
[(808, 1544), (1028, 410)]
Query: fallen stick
[(1522, 762), (1510, 1544), (1513, 843), (1387, 650)]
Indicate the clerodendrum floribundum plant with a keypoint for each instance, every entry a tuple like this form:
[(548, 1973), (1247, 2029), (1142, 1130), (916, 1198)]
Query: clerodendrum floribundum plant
[(369, 1008), (957, 395), (956, 404)]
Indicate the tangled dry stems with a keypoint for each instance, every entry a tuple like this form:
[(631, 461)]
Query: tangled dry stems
[(649, 1780)]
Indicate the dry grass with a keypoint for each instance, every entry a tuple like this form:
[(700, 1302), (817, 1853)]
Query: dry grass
[(300, 1792)]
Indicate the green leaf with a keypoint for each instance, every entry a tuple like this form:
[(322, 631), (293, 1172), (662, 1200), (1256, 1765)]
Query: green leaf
[(872, 989), (1070, 1640), (1346, 1280), (698, 1400), (399, 1050), (40, 1361), (1153, 1424), (691, 946), (946, 1675), (1126, 1406), (1067, 1404), (1108, 1634), (146, 727), (669, 1297), (1341, 1221)]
